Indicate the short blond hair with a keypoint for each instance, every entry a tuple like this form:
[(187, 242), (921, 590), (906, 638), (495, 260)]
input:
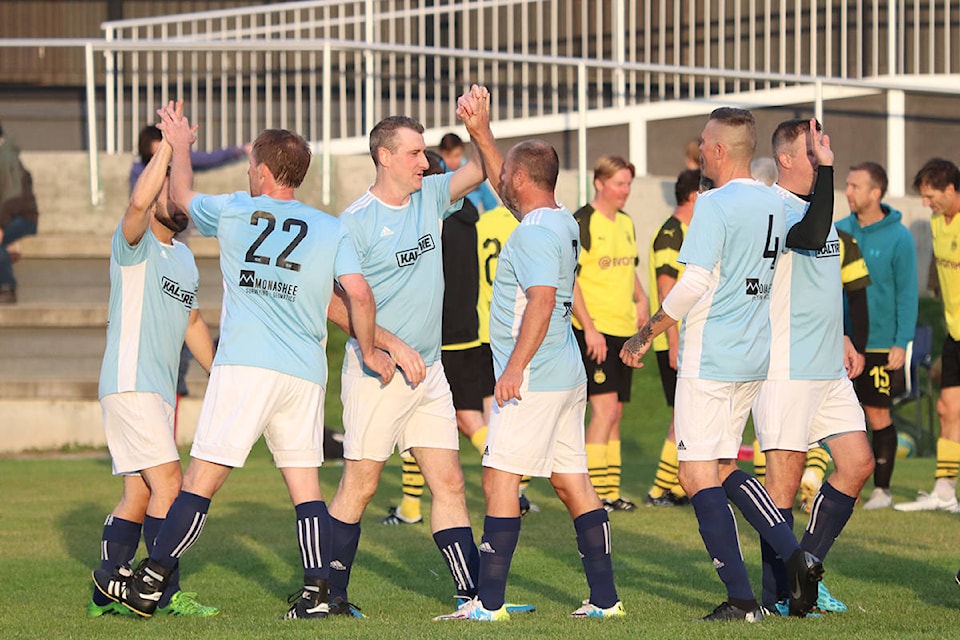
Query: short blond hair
[(608, 165)]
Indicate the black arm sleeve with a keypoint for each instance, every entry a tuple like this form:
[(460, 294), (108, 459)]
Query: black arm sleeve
[(811, 232), (859, 318)]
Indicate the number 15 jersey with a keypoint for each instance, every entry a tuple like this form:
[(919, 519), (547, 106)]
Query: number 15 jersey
[(278, 259), (737, 233)]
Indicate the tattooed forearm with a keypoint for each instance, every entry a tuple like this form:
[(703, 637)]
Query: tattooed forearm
[(641, 341)]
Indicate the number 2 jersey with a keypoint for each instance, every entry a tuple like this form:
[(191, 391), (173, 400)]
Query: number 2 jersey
[(279, 259), (736, 234)]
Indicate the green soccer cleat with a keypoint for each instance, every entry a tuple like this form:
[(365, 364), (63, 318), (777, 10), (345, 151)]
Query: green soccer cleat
[(94, 610), (184, 603)]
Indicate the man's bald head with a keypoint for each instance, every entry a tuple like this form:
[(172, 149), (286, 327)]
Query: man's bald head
[(538, 160)]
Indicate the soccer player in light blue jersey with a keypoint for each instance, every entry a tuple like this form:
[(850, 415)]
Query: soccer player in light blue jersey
[(537, 424), (395, 228), (808, 398), (279, 259), (730, 251), (153, 308)]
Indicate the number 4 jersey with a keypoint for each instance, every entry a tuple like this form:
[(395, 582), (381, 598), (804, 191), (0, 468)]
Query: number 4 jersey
[(278, 259), (736, 233)]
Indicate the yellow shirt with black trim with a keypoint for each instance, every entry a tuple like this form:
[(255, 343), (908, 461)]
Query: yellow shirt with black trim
[(853, 268), (663, 262), (946, 254), (493, 229), (607, 271)]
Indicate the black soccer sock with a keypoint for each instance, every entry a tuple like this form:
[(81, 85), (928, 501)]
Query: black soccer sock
[(151, 527), (775, 587), (500, 536), (828, 515), (718, 528), (118, 545), (885, 453), (460, 551), (345, 540), (757, 507), (593, 542), (180, 529), (314, 532)]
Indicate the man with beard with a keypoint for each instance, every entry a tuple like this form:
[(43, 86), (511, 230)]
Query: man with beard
[(153, 309)]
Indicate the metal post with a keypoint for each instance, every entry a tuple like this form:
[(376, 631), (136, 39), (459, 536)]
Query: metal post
[(111, 120), (818, 101), (96, 195), (896, 143), (368, 66), (582, 131), (619, 28), (638, 145), (325, 124)]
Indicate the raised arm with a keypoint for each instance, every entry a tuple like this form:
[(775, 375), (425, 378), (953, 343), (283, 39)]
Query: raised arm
[(148, 185), (180, 135), (812, 231), (473, 109)]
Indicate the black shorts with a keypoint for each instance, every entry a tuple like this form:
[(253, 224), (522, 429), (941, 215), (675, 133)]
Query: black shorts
[(950, 361), (877, 387), (612, 376), (465, 370), (668, 377)]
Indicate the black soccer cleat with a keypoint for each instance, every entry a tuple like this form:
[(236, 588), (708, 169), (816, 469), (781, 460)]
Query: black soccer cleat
[(311, 602), (144, 588), (727, 612), (804, 571), (619, 505), (340, 607), (112, 584), (524, 505)]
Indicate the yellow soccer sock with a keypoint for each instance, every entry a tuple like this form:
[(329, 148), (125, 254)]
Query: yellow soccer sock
[(479, 438), (948, 459), (759, 462), (412, 489), (597, 468), (525, 482), (666, 478), (817, 460), (613, 470)]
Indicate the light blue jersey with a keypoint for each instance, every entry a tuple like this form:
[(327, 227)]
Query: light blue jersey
[(806, 310), (278, 259), (400, 254), (153, 289), (737, 233), (542, 251)]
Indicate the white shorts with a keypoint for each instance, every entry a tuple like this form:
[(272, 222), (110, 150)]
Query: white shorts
[(378, 418), (139, 431), (709, 416), (792, 415), (243, 403), (539, 435)]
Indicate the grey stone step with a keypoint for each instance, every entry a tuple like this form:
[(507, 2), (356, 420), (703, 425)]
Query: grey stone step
[(96, 246)]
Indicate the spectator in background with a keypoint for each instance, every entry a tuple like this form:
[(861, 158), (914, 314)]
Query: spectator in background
[(691, 155), (451, 150), (149, 142), (18, 212), (891, 257)]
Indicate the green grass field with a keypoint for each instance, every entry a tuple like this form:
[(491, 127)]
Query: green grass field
[(894, 570)]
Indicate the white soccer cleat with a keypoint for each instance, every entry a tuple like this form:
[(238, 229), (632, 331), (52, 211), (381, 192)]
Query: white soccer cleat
[(473, 610), (590, 610), (879, 499), (929, 502)]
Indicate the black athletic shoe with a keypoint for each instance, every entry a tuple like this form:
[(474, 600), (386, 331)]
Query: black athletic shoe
[(524, 505), (619, 505), (340, 607), (143, 591), (309, 603), (112, 584), (726, 612), (804, 571), (666, 500)]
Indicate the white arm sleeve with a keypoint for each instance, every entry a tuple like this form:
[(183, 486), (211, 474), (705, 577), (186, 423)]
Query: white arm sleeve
[(689, 288)]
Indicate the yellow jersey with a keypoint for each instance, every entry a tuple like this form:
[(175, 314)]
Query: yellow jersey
[(607, 271), (853, 268), (663, 262), (493, 229), (946, 254)]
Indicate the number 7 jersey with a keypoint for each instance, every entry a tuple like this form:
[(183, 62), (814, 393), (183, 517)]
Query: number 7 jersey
[(737, 233), (278, 259)]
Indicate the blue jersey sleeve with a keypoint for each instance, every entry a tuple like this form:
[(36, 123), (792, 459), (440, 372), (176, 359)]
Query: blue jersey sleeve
[(346, 260), (703, 243), (127, 255), (540, 264), (205, 212), (436, 189)]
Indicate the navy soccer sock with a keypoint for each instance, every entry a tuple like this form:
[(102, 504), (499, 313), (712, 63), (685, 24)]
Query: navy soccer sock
[(718, 528), (757, 507), (775, 587), (593, 542), (500, 536), (180, 529), (314, 533), (118, 545), (459, 550), (885, 454), (345, 539), (828, 515), (151, 527)]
